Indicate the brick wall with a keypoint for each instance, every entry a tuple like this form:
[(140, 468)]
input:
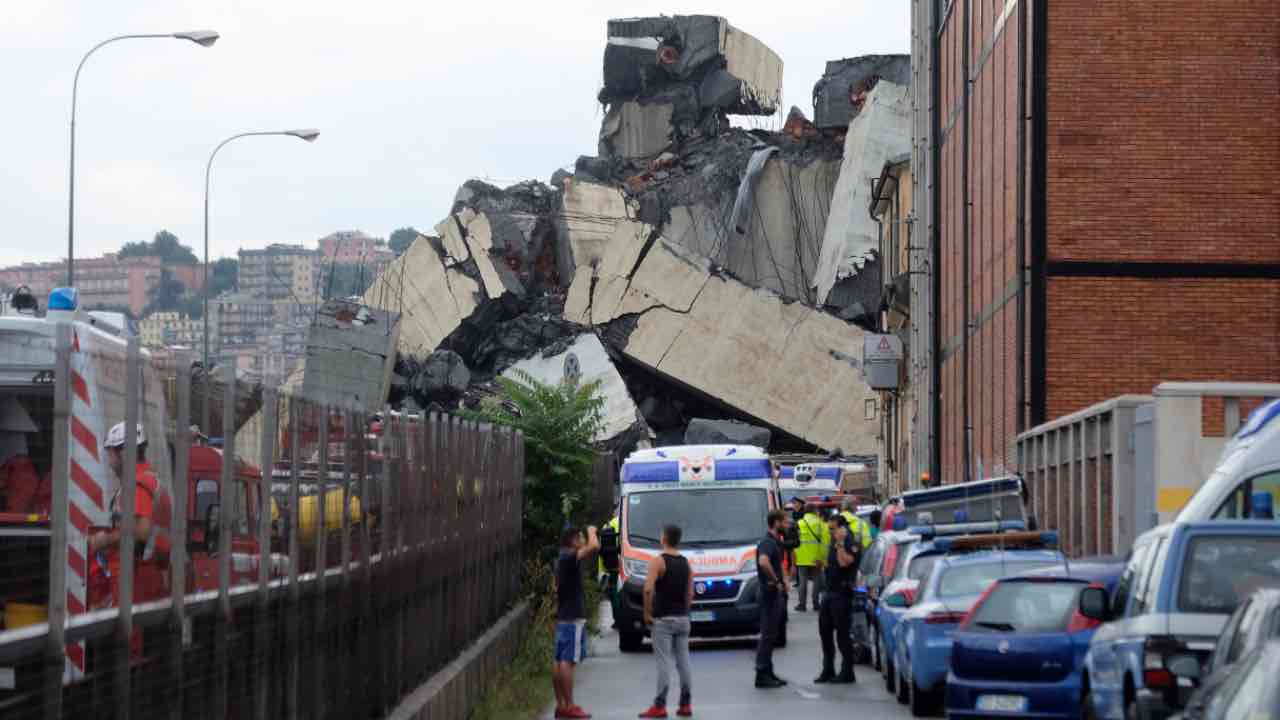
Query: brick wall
[(1164, 131), (1110, 336)]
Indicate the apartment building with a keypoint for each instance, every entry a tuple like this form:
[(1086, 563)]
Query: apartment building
[(281, 272)]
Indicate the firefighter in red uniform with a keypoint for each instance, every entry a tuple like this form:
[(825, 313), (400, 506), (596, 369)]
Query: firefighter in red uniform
[(104, 546)]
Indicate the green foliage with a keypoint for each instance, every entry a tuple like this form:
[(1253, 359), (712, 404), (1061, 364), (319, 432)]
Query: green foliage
[(401, 239), (559, 423), (522, 689), (224, 274), (164, 245), (166, 295)]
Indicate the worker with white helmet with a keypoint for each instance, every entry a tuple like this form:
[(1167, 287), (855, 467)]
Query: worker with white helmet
[(105, 545)]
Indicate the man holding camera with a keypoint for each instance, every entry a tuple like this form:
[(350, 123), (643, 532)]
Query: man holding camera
[(836, 611)]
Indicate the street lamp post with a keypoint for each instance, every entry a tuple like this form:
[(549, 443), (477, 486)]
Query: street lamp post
[(308, 134), (203, 38)]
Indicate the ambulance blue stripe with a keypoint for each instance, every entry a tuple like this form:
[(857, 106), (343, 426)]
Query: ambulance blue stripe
[(651, 472), (757, 469)]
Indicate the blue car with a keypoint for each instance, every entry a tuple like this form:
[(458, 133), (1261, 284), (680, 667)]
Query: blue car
[(922, 637), (1182, 582), (1021, 650)]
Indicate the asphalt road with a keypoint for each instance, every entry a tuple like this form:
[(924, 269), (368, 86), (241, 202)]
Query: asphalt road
[(613, 685)]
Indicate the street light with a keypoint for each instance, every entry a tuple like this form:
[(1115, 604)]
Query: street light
[(203, 38), (308, 134)]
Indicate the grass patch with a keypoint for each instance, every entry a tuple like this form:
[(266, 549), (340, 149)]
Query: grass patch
[(523, 689)]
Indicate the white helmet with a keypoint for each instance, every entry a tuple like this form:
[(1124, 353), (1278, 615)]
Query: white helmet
[(115, 438)]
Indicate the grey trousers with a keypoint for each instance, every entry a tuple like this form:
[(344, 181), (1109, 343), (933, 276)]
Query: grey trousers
[(671, 642), (810, 574)]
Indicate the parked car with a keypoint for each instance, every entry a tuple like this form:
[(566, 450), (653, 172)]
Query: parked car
[(1250, 691), (969, 565), (1253, 624), (875, 572), (1180, 585), (1020, 651)]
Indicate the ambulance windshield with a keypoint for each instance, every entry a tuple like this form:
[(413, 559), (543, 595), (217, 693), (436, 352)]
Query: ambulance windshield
[(709, 518)]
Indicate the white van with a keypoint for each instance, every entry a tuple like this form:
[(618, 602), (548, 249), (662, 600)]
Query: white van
[(1246, 482), (720, 496)]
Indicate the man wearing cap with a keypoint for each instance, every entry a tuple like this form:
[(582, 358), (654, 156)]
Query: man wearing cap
[(105, 545)]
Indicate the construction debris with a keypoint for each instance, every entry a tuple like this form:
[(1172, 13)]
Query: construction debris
[(702, 431), (705, 274), (351, 350)]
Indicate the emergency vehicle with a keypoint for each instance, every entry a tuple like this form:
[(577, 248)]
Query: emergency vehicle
[(97, 377), (720, 496)]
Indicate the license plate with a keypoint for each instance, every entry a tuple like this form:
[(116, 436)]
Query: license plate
[(1002, 703), (702, 616)]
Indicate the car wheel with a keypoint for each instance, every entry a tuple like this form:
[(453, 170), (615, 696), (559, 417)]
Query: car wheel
[(1086, 703), (879, 646), (920, 701), (630, 641), (890, 677), (900, 692)]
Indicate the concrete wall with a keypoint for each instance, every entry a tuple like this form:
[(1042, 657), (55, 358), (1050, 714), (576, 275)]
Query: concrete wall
[(456, 690), (881, 131), (432, 299)]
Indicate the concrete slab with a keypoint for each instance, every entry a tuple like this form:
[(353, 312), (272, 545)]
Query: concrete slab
[(882, 130), (586, 219), (633, 131), (779, 250), (745, 75), (778, 361), (431, 298), (594, 364), (351, 352)]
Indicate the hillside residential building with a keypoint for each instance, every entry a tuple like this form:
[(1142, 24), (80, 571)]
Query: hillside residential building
[(281, 273), (107, 281)]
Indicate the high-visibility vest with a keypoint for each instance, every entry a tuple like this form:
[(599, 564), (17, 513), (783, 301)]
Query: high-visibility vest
[(814, 539), (612, 525), (858, 528)]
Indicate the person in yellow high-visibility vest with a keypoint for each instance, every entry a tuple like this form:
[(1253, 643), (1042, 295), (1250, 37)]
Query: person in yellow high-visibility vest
[(860, 530), (814, 539)]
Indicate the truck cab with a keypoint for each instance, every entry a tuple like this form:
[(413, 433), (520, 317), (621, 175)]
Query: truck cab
[(720, 496)]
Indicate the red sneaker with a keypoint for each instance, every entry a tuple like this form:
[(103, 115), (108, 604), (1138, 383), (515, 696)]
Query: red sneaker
[(685, 711), (654, 711), (576, 712)]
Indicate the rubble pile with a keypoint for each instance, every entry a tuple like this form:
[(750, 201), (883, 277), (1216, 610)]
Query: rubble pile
[(706, 275)]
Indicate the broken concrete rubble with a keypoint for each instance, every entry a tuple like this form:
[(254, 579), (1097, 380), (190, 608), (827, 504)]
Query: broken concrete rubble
[(732, 70), (695, 263), (591, 363), (880, 131), (842, 91), (702, 431), (351, 350)]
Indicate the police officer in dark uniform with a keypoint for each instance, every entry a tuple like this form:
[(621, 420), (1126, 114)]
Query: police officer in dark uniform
[(773, 599), (836, 611)]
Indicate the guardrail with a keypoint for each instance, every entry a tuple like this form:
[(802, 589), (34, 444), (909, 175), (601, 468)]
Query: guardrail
[(277, 617)]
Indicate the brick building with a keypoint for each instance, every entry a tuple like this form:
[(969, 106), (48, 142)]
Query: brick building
[(106, 281), (1127, 232)]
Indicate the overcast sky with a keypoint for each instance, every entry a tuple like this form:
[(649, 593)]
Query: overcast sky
[(412, 98)]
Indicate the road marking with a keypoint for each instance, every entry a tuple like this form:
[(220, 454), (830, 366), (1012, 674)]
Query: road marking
[(806, 694)]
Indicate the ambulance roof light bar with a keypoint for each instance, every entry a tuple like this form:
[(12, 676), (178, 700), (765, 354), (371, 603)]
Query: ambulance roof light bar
[(1047, 540)]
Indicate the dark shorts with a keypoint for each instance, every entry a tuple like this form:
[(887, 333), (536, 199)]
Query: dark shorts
[(571, 641)]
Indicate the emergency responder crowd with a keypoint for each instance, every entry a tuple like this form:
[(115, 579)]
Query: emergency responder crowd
[(805, 545)]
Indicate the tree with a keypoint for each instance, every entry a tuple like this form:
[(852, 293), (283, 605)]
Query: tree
[(224, 274), (401, 239), (164, 245), (559, 423), (343, 280), (166, 295)]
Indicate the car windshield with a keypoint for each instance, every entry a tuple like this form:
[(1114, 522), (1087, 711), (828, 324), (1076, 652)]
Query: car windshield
[(733, 516), (971, 579), (1027, 607), (1219, 572)]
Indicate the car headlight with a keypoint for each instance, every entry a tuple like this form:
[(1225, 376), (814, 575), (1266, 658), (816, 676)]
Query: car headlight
[(635, 567), (748, 565)]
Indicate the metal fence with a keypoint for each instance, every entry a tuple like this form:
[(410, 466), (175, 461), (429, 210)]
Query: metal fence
[(327, 563)]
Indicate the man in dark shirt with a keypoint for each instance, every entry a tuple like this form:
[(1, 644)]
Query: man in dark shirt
[(837, 602), (571, 616), (773, 599)]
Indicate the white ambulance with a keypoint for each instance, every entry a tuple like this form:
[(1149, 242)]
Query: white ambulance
[(720, 496)]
